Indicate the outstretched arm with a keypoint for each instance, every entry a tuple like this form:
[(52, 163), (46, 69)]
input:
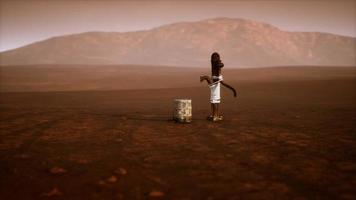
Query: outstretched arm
[(230, 87), (210, 81), (206, 78)]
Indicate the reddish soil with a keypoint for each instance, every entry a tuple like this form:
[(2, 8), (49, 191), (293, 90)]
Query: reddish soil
[(288, 138)]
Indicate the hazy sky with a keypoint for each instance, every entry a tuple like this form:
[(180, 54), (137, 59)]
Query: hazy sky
[(26, 21)]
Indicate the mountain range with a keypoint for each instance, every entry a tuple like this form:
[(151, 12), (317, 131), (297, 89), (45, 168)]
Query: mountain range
[(241, 43)]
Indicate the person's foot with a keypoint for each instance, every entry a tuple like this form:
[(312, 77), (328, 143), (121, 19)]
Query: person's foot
[(217, 118)]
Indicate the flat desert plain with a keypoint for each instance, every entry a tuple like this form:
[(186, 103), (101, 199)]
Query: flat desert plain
[(105, 132)]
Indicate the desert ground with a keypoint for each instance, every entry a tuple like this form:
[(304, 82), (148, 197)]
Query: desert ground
[(105, 132)]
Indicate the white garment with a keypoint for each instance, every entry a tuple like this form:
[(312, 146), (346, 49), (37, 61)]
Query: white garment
[(217, 77), (215, 93)]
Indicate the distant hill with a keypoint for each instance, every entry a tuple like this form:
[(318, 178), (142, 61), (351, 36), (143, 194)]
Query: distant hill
[(240, 42)]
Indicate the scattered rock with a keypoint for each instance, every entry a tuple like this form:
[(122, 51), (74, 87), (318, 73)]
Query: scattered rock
[(23, 156), (53, 192), (82, 161), (347, 166), (118, 131), (101, 182), (156, 193), (120, 171), (57, 170), (120, 196), (111, 179), (229, 155), (281, 188)]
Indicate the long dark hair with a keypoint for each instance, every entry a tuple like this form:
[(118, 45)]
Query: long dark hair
[(215, 60)]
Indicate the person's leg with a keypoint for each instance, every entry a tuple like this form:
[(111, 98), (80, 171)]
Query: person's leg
[(212, 110), (216, 116), (215, 113)]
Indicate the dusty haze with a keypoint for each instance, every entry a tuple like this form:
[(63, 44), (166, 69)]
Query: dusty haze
[(242, 43), (23, 22)]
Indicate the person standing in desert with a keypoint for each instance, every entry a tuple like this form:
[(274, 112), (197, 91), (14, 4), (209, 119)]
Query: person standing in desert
[(214, 82)]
